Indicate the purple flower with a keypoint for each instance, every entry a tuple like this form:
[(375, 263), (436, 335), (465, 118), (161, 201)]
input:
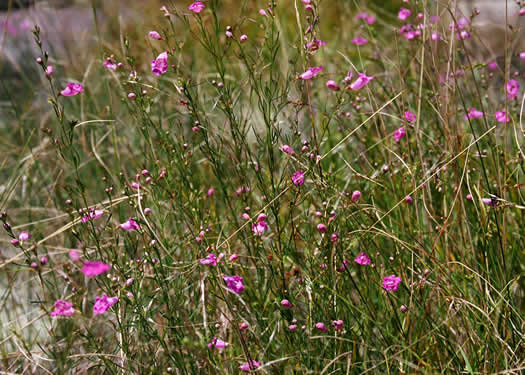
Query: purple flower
[(155, 35), (23, 236), (287, 149), (311, 73), (404, 14), (399, 133), (359, 41), (298, 178), (196, 7), (217, 343), (72, 89), (360, 82), (513, 88), (210, 260), (502, 116), (355, 196), (286, 304), (321, 228), (159, 66), (493, 202), (102, 304), (473, 113), (260, 227), (321, 327), (332, 85), (93, 214), (338, 324), (63, 308), (110, 65), (234, 283), (391, 283), (410, 117), (130, 225), (250, 365), (362, 259), (92, 269)]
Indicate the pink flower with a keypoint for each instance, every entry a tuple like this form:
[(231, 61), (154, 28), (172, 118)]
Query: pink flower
[(404, 14), (338, 325), (211, 191), (399, 133), (287, 149), (363, 259), (130, 225), (359, 41), (367, 18), (355, 196), (348, 77), (470, 197), (159, 66), (250, 365), (492, 65), (410, 117), (50, 70), (332, 85), (102, 304), (361, 82), (260, 227), (233, 257), (298, 178), (210, 260), (435, 36), (234, 283), (473, 113), (311, 72), (217, 343), (462, 35), (513, 88), (155, 35), (502, 116), (493, 202), (110, 65), (243, 38), (63, 308), (93, 214), (263, 13), (92, 269), (408, 199), (321, 327), (74, 255), (321, 228), (286, 304), (23, 236), (72, 89), (196, 7), (391, 283)]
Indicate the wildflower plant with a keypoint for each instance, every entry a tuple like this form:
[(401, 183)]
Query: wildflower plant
[(244, 189)]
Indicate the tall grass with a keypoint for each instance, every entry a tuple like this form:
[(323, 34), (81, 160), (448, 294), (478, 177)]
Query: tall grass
[(202, 157)]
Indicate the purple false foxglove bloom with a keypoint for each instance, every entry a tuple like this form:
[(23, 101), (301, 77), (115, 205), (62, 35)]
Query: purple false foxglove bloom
[(63, 308), (234, 283), (92, 269), (102, 304), (72, 89), (159, 66)]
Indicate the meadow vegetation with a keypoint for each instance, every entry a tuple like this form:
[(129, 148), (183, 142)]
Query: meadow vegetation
[(283, 187)]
